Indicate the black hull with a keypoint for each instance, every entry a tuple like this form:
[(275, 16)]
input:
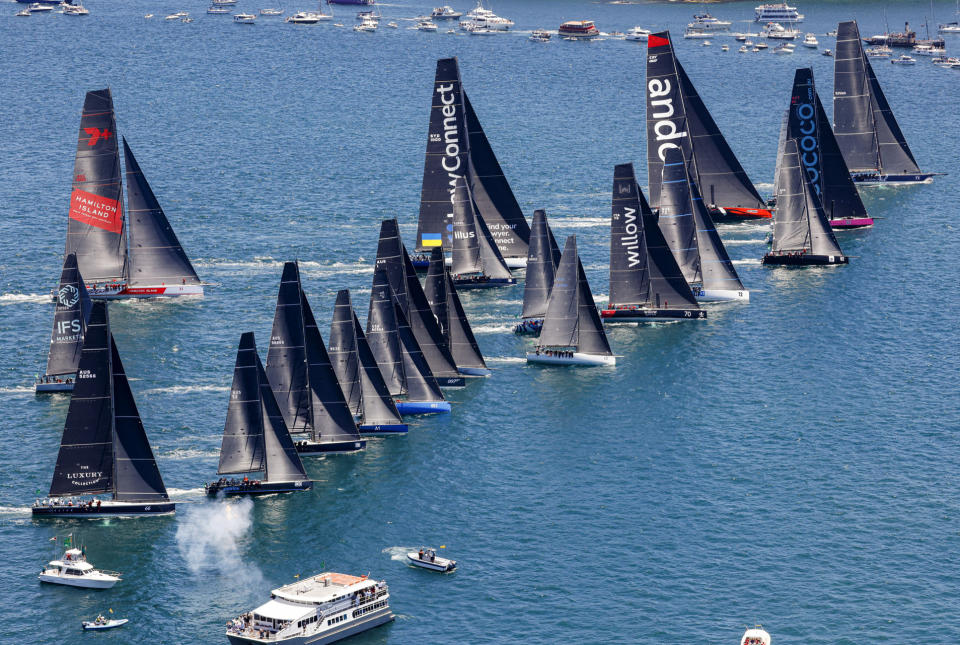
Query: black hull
[(111, 509), (451, 381), (258, 488), (804, 260), (311, 448), (486, 283), (650, 315)]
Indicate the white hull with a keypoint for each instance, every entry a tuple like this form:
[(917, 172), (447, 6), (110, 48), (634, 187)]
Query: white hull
[(578, 358), (438, 564), (721, 295), (98, 582), (512, 263), (474, 371), (350, 628), (147, 291)]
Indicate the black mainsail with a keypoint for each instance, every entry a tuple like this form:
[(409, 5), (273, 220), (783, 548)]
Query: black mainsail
[(241, 450), (820, 154), (678, 118), (281, 461), (445, 304), (382, 333), (95, 227), (542, 261), (343, 351), (156, 256), (378, 408), (419, 383), (800, 226), (69, 321), (572, 319), (866, 130), (104, 448), (643, 270)]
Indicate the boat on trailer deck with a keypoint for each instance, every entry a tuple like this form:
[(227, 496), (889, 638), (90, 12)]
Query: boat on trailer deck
[(542, 261), (572, 333), (104, 447), (801, 233), (644, 275), (302, 378), (255, 437)]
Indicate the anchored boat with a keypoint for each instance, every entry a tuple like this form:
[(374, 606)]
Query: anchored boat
[(801, 233), (401, 362), (357, 371), (572, 333), (255, 437), (458, 148), (821, 159), (302, 378), (677, 117), (69, 324), (867, 132), (691, 235), (392, 257), (644, 276), (428, 559), (104, 447), (456, 334), (153, 263), (542, 261)]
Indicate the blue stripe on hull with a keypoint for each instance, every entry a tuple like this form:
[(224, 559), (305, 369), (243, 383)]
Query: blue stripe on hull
[(107, 510), (395, 428), (423, 407)]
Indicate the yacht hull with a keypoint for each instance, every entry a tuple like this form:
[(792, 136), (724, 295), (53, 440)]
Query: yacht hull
[(805, 259), (107, 509), (650, 315), (259, 488), (721, 295), (422, 262), (46, 388), (315, 448), (577, 358), (488, 283), (856, 222), (159, 291), (730, 214), (474, 371), (384, 429), (451, 381), (374, 619), (77, 581), (422, 407), (878, 179)]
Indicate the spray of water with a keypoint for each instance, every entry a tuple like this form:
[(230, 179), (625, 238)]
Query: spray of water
[(209, 537)]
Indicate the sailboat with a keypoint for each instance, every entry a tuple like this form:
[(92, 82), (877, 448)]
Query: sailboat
[(644, 276), (363, 385), (678, 118), (476, 260), (392, 257), (302, 378), (691, 235), (542, 261), (152, 263), (447, 309), (868, 134), (104, 447), (457, 147), (572, 333), (801, 233), (255, 438), (407, 374), (69, 323), (821, 159)]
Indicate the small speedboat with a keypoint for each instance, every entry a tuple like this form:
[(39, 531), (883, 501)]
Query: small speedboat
[(73, 570), (904, 59), (810, 40), (540, 35), (38, 7), (827, 52), (426, 25), (367, 26), (878, 52), (75, 10), (743, 49), (303, 18), (763, 45), (393, 25), (755, 636), (217, 10), (271, 12), (637, 33), (706, 43), (724, 48), (104, 623), (785, 48), (148, 16), (428, 559), (445, 13), (482, 31), (23, 13), (244, 18)]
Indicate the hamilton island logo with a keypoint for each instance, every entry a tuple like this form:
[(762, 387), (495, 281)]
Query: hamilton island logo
[(68, 295)]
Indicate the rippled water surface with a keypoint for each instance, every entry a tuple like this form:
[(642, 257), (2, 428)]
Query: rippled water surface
[(792, 461)]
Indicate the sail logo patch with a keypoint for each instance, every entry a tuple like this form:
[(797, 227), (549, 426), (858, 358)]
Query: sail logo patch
[(95, 210), (807, 144), (85, 478), (96, 135), (630, 241), (664, 127), (68, 295), (431, 239)]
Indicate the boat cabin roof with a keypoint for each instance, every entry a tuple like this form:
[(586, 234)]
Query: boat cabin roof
[(321, 588), (81, 565)]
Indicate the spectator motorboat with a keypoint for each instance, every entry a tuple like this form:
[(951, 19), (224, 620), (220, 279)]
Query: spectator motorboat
[(428, 559)]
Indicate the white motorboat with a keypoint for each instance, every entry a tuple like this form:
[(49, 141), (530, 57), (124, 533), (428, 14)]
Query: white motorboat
[(214, 9), (763, 45), (783, 49), (743, 49), (187, 20), (706, 20), (827, 52), (928, 50), (778, 31), (148, 16), (73, 570), (225, 2), (950, 28), (810, 40), (480, 16), (780, 12), (638, 33), (697, 32), (271, 12), (881, 51), (39, 7), (363, 16), (244, 18), (706, 43), (445, 13), (103, 623), (742, 36), (540, 35), (755, 636), (724, 48), (474, 30), (426, 25), (367, 26), (75, 10), (320, 609), (175, 16), (303, 18), (23, 13), (904, 59), (944, 61), (393, 25), (428, 559)]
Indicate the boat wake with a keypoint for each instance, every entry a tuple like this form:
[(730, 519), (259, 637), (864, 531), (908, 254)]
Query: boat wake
[(187, 389), (504, 359), (748, 262), (181, 493), (14, 510), (268, 263), (742, 242), (209, 539), (16, 298), (19, 389), (578, 222), (399, 553), (492, 329), (190, 453)]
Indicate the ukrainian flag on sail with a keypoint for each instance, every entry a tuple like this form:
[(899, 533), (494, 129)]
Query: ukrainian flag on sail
[(431, 239)]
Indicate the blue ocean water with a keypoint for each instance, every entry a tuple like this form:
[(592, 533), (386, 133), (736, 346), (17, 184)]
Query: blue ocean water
[(792, 461)]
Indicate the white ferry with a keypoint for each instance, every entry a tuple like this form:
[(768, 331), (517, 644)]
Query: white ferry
[(780, 12), (323, 609)]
